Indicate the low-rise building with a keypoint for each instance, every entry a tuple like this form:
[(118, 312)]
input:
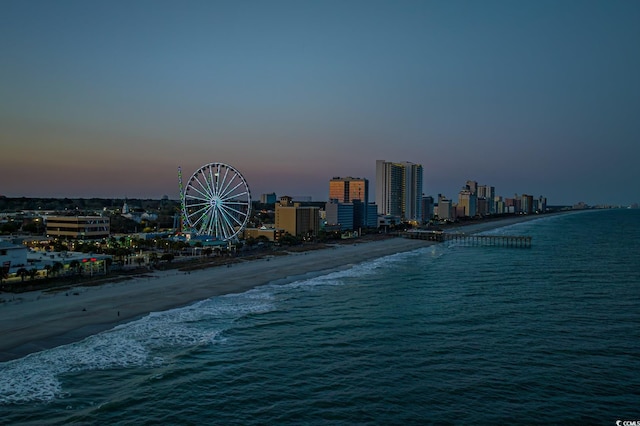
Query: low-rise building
[(78, 227), (272, 234), (12, 256), (85, 263)]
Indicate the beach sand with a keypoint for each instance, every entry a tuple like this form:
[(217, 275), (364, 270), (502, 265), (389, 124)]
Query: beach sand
[(34, 321)]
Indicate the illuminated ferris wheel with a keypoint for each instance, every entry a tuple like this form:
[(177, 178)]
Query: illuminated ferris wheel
[(216, 201)]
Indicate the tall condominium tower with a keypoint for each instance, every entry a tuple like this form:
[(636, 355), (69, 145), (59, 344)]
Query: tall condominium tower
[(468, 202), (354, 191), (489, 193), (399, 189), (347, 189), (472, 186)]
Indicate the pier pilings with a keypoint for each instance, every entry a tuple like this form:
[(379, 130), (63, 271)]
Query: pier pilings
[(520, 241)]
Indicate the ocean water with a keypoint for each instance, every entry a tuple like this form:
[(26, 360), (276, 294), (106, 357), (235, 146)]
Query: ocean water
[(447, 334)]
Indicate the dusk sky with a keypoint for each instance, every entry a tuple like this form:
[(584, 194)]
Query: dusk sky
[(108, 98)]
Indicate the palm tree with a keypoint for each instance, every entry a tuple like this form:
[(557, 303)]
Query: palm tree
[(113, 243), (75, 265), (120, 253), (56, 268), (23, 273), (60, 246)]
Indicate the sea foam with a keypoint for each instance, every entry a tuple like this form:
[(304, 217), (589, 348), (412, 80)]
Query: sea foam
[(139, 343), (142, 343)]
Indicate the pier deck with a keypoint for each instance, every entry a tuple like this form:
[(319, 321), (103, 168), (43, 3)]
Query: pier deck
[(471, 239)]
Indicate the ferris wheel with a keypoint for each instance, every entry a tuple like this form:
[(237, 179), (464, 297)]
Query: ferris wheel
[(216, 201)]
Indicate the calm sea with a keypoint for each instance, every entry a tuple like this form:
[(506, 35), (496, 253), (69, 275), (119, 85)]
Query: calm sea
[(447, 334)]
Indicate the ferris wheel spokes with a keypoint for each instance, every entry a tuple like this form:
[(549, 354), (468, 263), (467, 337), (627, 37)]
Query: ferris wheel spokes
[(216, 201), (199, 190), (227, 227), (234, 214), (222, 181)]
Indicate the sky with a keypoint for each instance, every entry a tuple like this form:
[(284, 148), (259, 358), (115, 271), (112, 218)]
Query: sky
[(108, 98)]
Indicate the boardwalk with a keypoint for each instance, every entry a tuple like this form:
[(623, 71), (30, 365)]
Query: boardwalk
[(471, 239)]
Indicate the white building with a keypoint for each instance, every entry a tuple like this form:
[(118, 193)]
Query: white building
[(12, 256)]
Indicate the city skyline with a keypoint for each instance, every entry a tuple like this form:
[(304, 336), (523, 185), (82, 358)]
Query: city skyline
[(107, 99)]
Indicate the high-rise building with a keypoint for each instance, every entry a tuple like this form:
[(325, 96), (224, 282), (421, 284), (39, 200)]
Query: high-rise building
[(269, 198), (413, 192), (347, 189), (372, 215), (498, 202), (427, 208), (542, 204), (482, 206), (526, 204), (488, 193), (340, 215), (350, 190), (389, 187), (468, 202), (512, 205), (399, 189), (472, 186), (445, 208), (295, 219)]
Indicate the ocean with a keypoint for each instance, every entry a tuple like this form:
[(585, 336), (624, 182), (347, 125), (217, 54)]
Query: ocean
[(446, 334)]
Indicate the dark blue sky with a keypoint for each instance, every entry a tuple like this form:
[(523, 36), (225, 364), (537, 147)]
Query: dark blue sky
[(109, 98)]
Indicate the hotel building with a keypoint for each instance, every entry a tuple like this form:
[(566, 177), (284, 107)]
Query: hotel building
[(399, 189), (353, 191), (445, 209), (295, 219), (489, 194), (347, 189), (339, 216), (467, 203), (427, 208)]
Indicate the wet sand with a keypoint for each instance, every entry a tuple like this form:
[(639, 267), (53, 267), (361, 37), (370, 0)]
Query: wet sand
[(34, 321)]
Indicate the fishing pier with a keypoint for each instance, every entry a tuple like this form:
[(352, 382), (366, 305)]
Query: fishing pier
[(471, 239)]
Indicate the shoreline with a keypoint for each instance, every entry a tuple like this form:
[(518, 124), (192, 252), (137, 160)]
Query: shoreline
[(38, 321)]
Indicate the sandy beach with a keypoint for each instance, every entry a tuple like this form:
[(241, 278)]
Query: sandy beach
[(34, 321)]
